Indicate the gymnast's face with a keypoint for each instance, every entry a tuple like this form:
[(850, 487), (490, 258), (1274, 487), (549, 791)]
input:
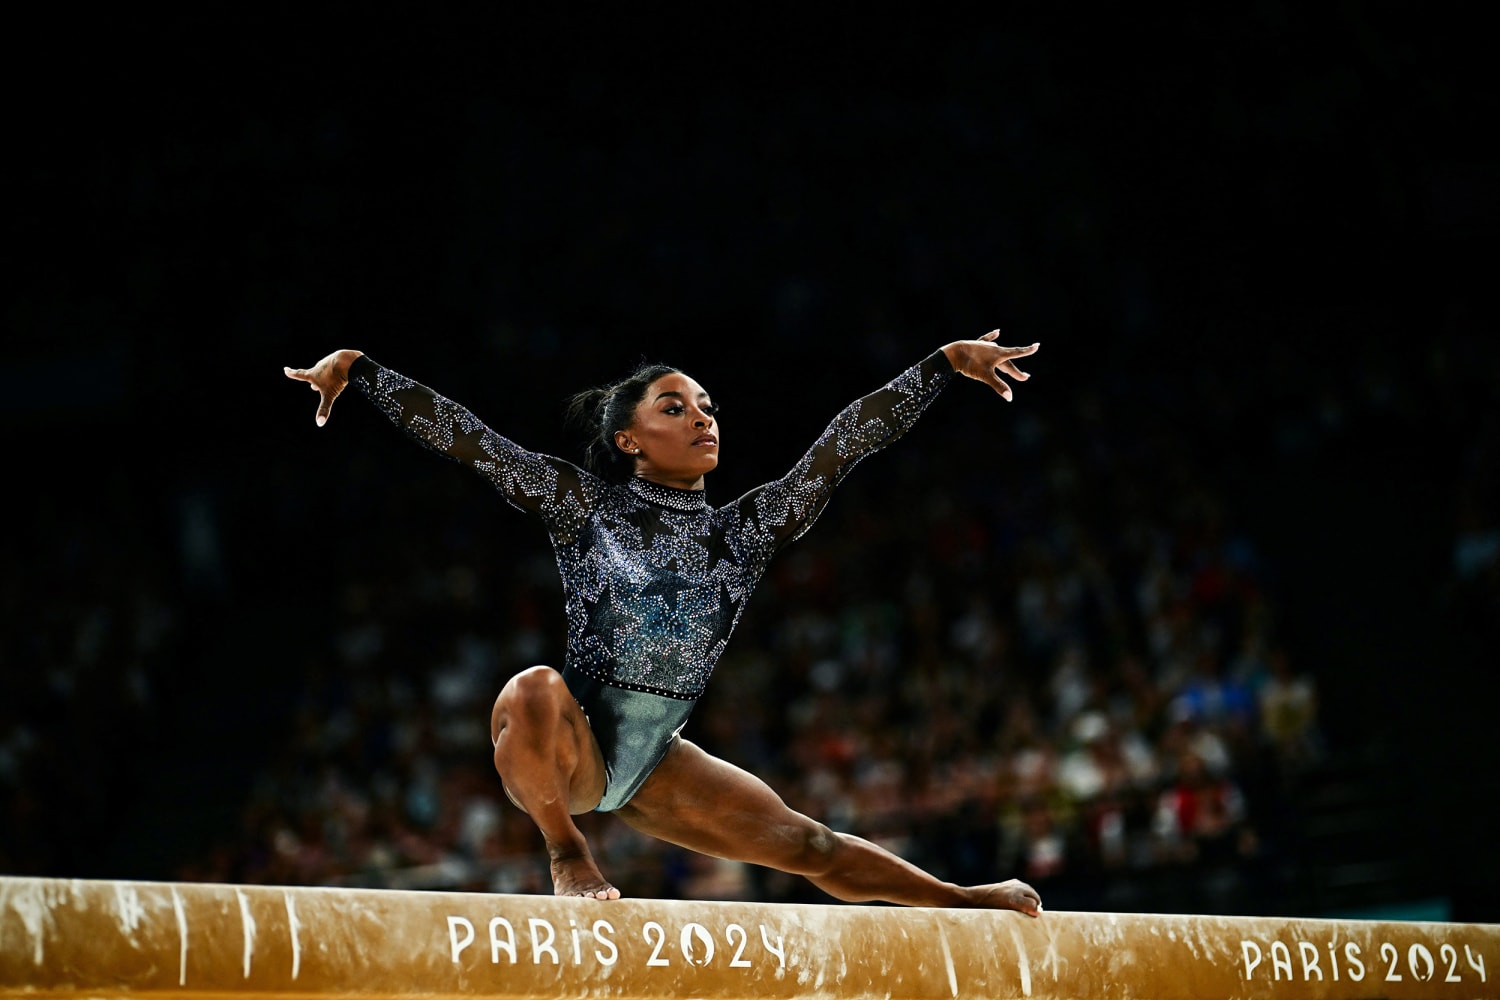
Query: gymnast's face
[(674, 437)]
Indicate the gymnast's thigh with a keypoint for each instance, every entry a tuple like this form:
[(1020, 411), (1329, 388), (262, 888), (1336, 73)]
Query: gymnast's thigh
[(542, 736), (708, 805)]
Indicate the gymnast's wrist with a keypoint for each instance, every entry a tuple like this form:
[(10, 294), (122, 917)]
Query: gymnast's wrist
[(956, 352)]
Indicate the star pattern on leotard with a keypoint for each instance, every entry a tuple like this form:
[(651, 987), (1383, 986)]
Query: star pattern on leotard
[(665, 614), (658, 534)]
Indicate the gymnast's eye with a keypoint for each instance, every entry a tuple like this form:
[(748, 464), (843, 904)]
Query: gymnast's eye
[(710, 409)]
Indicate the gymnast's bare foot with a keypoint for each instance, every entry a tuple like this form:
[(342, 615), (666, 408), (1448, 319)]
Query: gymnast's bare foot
[(1011, 895), (579, 876)]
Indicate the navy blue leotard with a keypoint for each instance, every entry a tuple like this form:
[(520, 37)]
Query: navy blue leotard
[(654, 579)]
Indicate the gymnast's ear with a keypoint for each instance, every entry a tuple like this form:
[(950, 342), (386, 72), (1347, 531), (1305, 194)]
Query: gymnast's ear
[(625, 441)]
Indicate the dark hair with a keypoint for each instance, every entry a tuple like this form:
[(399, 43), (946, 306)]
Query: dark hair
[(603, 410)]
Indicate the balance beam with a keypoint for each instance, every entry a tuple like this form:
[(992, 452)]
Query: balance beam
[(71, 939)]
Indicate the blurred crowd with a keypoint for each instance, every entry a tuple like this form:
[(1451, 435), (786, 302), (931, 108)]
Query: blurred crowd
[(95, 634)]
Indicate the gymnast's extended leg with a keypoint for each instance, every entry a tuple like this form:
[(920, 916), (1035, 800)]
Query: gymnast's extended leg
[(708, 805), (552, 769)]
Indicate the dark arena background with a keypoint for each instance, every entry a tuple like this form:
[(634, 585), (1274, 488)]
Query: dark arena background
[(1206, 621)]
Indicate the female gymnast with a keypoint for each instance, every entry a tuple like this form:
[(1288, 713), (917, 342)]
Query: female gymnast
[(654, 580)]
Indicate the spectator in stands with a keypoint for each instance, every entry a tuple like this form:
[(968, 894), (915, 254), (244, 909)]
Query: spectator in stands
[(1289, 712)]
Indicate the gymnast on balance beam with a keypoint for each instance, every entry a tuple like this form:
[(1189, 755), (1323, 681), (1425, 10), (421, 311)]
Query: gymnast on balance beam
[(654, 580)]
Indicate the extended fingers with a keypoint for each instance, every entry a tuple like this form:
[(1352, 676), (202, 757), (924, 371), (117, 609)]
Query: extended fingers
[(1008, 364), (1009, 352), (325, 396), (994, 381), (325, 407), (304, 375)]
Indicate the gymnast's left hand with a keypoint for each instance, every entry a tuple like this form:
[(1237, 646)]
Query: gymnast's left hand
[(985, 361)]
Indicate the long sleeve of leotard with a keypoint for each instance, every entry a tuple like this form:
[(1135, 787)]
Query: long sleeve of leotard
[(557, 491), (783, 510)]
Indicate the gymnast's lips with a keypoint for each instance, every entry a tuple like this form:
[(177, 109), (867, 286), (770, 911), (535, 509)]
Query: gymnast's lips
[(705, 440)]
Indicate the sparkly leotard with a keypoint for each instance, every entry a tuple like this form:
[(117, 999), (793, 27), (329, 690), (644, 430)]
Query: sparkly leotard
[(654, 579)]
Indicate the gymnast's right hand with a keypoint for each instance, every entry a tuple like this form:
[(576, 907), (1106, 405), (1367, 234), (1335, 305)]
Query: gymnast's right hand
[(327, 378)]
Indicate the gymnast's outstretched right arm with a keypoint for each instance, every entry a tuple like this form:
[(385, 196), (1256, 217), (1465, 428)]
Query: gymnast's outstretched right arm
[(557, 491)]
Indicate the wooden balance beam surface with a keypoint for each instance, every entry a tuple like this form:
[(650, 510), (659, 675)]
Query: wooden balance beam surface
[(88, 938)]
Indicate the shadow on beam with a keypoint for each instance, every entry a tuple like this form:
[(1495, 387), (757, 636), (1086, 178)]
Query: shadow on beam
[(73, 939)]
